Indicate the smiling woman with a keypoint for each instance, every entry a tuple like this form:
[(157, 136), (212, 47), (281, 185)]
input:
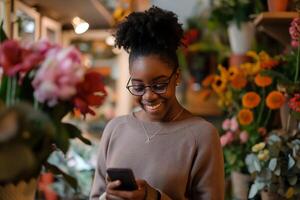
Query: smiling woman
[(173, 154)]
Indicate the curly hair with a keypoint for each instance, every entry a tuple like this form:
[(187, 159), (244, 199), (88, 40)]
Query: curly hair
[(154, 31)]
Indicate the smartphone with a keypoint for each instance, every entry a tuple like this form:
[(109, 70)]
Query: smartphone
[(125, 175)]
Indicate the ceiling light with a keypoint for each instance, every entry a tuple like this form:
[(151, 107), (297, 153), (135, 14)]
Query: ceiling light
[(80, 26)]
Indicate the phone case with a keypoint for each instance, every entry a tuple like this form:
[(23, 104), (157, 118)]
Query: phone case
[(125, 175)]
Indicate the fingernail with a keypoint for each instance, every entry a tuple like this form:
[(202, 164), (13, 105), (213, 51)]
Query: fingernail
[(118, 182)]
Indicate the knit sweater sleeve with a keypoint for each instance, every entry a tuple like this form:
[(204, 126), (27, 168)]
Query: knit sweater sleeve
[(99, 184), (208, 168)]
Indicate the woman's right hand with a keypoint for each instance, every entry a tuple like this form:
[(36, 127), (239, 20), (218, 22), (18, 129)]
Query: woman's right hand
[(111, 185)]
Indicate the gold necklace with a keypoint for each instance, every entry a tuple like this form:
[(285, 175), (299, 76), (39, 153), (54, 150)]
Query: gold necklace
[(149, 138)]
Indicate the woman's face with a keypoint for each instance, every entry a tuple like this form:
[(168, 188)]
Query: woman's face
[(151, 70)]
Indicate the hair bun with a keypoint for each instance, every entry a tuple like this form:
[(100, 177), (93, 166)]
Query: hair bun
[(154, 30)]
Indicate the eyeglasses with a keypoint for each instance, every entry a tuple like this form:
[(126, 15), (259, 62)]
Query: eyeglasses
[(158, 88)]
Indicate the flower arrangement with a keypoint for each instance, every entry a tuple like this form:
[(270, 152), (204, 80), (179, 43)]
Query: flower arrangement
[(238, 11), (275, 164), (249, 98), (54, 82)]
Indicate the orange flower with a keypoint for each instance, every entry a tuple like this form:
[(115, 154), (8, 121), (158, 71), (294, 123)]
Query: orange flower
[(262, 81), (269, 64), (239, 82), (219, 84), (275, 100), (233, 72), (251, 100), (245, 116), (208, 80)]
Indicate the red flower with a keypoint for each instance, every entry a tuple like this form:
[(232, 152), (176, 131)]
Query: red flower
[(90, 92), (16, 59), (294, 103), (190, 36)]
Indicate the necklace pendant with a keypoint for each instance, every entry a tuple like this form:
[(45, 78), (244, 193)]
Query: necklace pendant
[(147, 141)]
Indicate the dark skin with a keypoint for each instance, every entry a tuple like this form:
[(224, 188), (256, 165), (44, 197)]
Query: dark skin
[(155, 107)]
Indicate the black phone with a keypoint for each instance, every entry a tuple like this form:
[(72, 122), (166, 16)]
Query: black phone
[(125, 175)]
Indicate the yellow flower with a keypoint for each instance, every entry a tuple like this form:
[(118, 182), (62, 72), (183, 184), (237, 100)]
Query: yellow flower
[(219, 84), (223, 73), (258, 147), (263, 155), (225, 99), (250, 68), (290, 193)]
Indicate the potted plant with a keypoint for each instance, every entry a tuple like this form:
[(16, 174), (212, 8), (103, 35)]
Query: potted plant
[(235, 16), (250, 101), (275, 164)]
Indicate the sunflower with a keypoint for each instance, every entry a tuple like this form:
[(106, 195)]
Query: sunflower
[(262, 81), (266, 62), (223, 73), (245, 116), (250, 68), (251, 100), (225, 99), (233, 72), (219, 84), (275, 100)]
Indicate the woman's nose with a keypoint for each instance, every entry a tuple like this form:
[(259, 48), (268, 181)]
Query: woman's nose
[(149, 94)]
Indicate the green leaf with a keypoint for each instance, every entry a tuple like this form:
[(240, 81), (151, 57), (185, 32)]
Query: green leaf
[(57, 171), (3, 36), (291, 162), (74, 132), (296, 115), (273, 164), (280, 77), (277, 172)]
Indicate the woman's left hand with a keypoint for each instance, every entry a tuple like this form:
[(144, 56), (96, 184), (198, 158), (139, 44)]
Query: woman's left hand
[(139, 194)]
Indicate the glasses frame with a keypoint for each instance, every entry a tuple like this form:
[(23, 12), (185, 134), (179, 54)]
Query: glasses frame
[(167, 81)]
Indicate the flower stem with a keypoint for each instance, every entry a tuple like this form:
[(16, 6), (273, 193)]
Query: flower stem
[(8, 91), (14, 89), (268, 117), (261, 108)]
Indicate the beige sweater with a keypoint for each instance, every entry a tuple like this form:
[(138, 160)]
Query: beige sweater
[(183, 161)]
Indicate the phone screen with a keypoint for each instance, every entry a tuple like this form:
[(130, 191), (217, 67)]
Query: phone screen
[(125, 175)]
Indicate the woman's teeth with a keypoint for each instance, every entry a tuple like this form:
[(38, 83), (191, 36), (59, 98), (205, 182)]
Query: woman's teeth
[(152, 108)]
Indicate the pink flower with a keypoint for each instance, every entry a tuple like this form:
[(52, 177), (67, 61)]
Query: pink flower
[(227, 138), (244, 136), (226, 124), (295, 32), (58, 76), (234, 126)]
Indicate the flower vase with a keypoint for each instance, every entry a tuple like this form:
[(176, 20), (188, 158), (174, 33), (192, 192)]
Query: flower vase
[(288, 122), (277, 5), (21, 191), (240, 37), (240, 185), (238, 59), (266, 195)]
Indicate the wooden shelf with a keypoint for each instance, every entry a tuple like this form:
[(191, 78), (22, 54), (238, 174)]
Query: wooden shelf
[(275, 24)]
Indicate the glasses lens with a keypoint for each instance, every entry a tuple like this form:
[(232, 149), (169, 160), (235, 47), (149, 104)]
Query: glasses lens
[(137, 89), (159, 88)]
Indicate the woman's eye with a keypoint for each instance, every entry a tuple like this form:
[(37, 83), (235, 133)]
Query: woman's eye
[(159, 86), (138, 88)]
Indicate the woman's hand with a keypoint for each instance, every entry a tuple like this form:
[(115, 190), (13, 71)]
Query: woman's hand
[(139, 194)]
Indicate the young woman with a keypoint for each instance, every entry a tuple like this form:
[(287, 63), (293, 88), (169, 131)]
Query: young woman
[(173, 154)]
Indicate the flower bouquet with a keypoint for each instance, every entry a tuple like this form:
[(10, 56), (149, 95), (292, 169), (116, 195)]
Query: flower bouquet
[(275, 164), (40, 84), (249, 100)]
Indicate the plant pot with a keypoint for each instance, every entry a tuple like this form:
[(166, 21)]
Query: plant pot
[(240, 185), (277, 5), (22, 191), (237, 60), (266, 195), (288, 122), (241, 38)]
